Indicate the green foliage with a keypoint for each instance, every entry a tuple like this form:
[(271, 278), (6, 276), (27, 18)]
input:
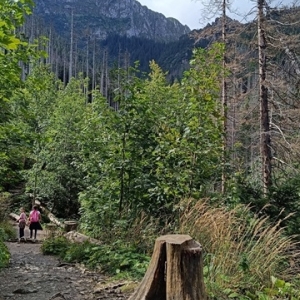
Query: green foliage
[(284, 203), (55, 122), (116, 259), (6, 232), (4, 254), (163, 143), (279, 289), (281, 203), (55, 246), (14, 52), (4, 205)]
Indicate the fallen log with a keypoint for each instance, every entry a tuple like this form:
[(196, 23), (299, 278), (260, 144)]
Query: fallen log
[(77, 237), (50, 215), (14, 216), (175, 271)]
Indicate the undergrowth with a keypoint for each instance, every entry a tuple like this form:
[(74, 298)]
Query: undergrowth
[(243, 253), (246, 257), (117, 259), (6, 232)]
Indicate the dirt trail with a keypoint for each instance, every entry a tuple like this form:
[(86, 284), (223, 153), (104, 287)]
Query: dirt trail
[(34, 276)]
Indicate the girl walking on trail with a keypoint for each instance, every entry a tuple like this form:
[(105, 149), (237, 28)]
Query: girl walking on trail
[(34, 219), (22, 223)]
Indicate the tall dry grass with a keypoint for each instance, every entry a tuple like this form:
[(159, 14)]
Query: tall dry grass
[(242, 251)]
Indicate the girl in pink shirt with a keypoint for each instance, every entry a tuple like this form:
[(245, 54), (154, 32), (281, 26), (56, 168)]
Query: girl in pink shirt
[(22, 222), (34, 218)]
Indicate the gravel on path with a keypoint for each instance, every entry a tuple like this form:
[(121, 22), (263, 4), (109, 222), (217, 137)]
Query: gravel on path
[(31, 275)]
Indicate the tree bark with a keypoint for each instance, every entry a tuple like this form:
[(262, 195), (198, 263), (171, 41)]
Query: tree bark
[(265, 141), (71, 46), (224, 97), (175, 271)]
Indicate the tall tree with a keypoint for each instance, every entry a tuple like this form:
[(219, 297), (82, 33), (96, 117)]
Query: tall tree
[(212, 8), (265, 140), (71, 45), (13, 49)]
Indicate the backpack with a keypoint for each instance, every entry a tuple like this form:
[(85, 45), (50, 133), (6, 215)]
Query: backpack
[(22, 223), (34, 216)]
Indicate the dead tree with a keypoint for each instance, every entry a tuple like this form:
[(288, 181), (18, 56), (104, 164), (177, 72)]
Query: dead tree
[(265, 139)]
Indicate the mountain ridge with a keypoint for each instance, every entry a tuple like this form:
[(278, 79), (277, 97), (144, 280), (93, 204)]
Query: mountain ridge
[(101, 18)]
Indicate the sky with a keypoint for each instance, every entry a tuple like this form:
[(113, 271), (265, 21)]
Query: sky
[(189, 12)]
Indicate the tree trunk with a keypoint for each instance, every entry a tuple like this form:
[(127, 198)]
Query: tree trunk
[(224, 97), (71, 45), (265, 144), (175, 271)]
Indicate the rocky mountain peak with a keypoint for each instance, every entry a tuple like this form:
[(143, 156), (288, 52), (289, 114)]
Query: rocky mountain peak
[(102, 18)]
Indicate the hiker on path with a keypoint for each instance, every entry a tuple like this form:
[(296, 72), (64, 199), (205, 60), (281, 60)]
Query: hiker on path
[(22, 223), (34, 219)]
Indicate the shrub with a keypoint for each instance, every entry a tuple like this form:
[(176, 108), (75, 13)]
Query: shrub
[(4, 255), (115, 259), (4, 205), (6, 231), (55, 246)]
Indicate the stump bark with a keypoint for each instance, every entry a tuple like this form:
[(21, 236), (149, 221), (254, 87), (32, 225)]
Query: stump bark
[(70, 225), (175, 271)]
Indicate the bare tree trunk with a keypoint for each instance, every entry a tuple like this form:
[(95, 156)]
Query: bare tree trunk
[(87, 71), (104, 75), (71, 46), (265, 139), (75, 59), (224, 96), (65, 69), (94, 67), (49, 48)]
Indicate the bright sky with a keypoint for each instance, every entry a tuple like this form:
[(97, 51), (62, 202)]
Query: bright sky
[(188, 12)]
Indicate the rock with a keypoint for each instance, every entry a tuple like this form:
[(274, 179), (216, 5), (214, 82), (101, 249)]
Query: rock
[(24, 291)]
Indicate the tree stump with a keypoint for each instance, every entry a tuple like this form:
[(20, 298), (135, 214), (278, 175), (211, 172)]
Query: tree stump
[(175, 271), (70, 225)]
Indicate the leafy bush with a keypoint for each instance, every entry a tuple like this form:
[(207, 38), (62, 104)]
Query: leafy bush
[(6, 231), (55, 246), (116, 259), (4, 205), (4, 255)]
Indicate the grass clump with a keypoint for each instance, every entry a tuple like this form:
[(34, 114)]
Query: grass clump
[(242, 252)]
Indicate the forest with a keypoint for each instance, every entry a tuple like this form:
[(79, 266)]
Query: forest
[(132, 155)]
